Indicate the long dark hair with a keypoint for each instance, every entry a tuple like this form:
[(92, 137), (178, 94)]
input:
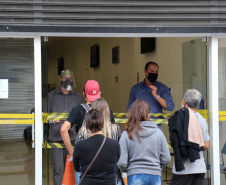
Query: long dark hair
[(139, 111)]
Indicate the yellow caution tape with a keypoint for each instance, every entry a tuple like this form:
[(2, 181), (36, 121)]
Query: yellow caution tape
[(16, 119), (158, 121), (121, 117), (53, 145), (222, 113), (46, 117), (21, 122), (22, 116), (165, 115), (222, 118), (57, 116), (202, 111)]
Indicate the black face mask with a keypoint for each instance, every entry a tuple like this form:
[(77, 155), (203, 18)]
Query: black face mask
[(152, 77), (67, 84)]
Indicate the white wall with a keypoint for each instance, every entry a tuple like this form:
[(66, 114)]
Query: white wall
[(76, 54)]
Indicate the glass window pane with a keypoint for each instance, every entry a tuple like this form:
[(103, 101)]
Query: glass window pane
[(17, 159), (222, 106)]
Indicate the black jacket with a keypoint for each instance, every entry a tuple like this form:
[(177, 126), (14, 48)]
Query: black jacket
[(183, 149)]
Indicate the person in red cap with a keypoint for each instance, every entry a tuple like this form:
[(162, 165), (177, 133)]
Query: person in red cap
[(91, 92)]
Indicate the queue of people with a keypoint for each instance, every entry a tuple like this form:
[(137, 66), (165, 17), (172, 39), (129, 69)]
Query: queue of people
[(102, 152)]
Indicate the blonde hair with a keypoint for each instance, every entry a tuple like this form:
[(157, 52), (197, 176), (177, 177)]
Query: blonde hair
[(102, 106)]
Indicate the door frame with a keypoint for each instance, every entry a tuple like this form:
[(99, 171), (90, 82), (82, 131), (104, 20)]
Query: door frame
[(212, 91)]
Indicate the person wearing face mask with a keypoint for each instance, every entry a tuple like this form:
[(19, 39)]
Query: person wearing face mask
[(155, 93), (61, 100)]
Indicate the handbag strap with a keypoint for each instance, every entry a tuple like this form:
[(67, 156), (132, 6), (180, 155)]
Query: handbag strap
[(86, 107), (87, 169)]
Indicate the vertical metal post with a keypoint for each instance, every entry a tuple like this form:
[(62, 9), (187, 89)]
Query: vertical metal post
[(38, 111), (213, 111)]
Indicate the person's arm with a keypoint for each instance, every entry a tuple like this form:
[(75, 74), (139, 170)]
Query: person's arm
[(160, 99), (166, 95), (206, 145), (206, 136), (165, 98), (65, 136), (123, 160)]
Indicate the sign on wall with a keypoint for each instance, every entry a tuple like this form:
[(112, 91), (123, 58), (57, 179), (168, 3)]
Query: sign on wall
[(4, 93)]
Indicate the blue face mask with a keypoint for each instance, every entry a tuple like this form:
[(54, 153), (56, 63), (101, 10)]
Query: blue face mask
[(152, 77)]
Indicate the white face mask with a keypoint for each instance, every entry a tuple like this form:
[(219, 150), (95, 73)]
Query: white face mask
[(182, 105)]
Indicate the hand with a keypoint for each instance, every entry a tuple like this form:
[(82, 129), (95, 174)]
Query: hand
[(71, 152), (71, 158), (54, 121), (154, 90)]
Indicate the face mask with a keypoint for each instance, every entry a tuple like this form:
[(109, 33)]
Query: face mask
[(67, 84), (182, 105), (152, 77)]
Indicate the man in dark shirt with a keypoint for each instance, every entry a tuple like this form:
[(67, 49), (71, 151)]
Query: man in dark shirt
[(61, 100)]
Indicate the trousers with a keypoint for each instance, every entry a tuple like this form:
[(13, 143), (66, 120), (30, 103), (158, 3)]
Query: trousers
[(144, 179)]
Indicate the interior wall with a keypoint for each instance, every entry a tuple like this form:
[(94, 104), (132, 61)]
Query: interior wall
[(76, 54)]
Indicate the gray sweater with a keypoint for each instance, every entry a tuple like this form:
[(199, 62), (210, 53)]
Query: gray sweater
[(147, 156)]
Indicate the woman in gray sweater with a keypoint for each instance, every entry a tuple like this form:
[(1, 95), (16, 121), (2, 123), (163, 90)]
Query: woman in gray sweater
[(144, 149)]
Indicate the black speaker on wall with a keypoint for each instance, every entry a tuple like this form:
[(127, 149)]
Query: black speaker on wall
[(115, 55), (60, 65), (147, 45), (94, 56)]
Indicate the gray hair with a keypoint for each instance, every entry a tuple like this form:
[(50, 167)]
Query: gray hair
[(192, 97)]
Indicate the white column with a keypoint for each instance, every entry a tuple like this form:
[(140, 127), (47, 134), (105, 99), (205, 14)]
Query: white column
[(38, 111), (213, 111)]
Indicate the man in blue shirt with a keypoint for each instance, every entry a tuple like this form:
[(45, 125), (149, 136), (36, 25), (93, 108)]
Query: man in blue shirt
[(155, 93)]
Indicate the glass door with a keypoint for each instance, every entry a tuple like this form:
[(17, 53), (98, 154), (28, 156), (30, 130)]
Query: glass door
[(194, 75), (194, 70)]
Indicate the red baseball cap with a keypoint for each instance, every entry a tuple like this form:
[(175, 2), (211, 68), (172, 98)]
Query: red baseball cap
[(92, 90)]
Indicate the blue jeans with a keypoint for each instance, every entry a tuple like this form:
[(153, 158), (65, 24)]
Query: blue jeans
[(77, 177), (144, 179), (78, 174)]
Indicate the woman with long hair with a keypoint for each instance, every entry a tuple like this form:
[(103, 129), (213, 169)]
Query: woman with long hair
[(144, 149), (109, 130), (102, 170)]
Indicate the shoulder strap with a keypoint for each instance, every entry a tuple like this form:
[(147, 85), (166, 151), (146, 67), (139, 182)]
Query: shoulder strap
[(87, 169), (86, 107)]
